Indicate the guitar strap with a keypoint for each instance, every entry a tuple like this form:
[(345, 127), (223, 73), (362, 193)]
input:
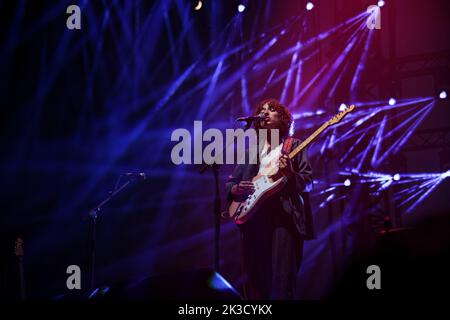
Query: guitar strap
[(287, 145)]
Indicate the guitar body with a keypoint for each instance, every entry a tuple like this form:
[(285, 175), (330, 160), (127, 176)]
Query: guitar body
[(265, 187)]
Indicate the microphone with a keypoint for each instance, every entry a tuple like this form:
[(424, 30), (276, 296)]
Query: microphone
[(252, 118), (136, 175)]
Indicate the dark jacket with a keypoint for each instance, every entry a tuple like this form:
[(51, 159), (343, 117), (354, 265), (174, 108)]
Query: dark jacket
[(295, 195)]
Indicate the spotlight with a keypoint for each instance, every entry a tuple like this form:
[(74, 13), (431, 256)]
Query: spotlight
[(445, 174), (342, 107), (392, 101), (380, 3), (309, 6), (198, 6), (241, 8), (396, 177), (347, 183), (443, 94)]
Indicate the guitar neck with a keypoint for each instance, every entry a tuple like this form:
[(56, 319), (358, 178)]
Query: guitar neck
[(307, 141), (330, 122)]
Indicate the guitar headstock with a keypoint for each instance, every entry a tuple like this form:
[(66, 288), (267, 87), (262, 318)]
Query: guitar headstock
[(341, 115), (18, 248)]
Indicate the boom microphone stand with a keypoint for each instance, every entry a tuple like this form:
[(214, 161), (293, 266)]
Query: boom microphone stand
[(94, 213), (217, 203)]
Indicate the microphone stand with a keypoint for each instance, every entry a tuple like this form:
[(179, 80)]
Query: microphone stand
[(217, 211), (217, 203), (93, 215)]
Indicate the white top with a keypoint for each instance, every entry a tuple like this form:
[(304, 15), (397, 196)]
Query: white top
[(269, 161)]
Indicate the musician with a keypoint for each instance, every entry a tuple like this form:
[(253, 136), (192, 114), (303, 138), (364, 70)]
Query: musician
[(272, 239)]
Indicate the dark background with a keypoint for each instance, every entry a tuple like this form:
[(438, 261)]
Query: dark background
[(81, 107)]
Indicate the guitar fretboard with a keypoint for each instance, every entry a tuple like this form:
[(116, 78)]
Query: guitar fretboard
[(307, 141), (330, 122)]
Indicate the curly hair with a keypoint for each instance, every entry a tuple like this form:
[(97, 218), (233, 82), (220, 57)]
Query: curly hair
[(283, 112)]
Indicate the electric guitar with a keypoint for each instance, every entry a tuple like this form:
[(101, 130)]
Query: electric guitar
[(18, 251), (268, 185)]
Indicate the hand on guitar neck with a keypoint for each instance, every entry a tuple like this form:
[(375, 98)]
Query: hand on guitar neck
[(285, 165)]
